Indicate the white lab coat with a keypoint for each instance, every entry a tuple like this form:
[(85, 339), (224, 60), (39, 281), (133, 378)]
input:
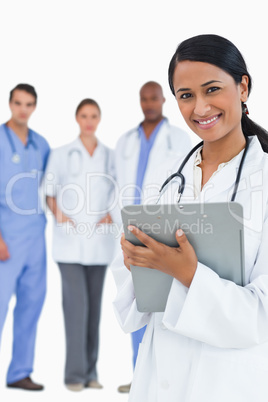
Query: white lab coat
[(83, 186), (211, 343), (170, 141)]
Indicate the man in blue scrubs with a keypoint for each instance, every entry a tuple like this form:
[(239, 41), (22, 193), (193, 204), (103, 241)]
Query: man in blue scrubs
[(23, 158)]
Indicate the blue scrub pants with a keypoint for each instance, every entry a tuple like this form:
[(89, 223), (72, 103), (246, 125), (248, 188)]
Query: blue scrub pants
[(136, 340), (24, 275)]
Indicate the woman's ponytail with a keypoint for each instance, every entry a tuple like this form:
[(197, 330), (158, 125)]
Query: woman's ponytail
[(250, 128)]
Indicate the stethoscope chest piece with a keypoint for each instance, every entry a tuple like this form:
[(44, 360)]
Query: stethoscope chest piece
[(15, 158)]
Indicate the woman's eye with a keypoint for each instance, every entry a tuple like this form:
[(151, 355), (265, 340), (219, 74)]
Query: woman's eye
[(185, 96), (213, 89)]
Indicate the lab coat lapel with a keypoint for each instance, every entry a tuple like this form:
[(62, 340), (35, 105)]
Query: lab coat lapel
[(159, 154), (159, 150)]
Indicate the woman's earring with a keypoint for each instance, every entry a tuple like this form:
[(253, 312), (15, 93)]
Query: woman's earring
[(245, 108)]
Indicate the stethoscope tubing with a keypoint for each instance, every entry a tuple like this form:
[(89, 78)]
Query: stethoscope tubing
[(178, 173), (78, 151), (186, 159), (15, 156)]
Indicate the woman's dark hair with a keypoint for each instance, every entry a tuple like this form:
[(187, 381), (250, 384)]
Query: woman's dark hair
[(87, 101), (216, 50)]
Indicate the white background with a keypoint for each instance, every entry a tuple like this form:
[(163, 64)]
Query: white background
[(106, 50)]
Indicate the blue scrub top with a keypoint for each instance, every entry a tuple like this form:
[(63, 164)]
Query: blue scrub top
[(146, 145), (20, 207)]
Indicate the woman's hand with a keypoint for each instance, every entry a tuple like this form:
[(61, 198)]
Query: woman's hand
[(62, 218), (59, 215), (179, 262)]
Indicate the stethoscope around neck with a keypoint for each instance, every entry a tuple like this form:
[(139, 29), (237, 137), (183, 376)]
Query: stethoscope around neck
[(15, 158), (128, 148), (182, 178), (79, 168)]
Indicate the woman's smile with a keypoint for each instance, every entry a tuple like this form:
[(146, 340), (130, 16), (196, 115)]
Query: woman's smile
[(209, 122)]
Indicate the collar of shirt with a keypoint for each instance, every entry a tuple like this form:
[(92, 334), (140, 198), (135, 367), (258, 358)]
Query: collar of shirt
[(148, 142), (146, 145), (198, 171), (78, 142), (17, 142)]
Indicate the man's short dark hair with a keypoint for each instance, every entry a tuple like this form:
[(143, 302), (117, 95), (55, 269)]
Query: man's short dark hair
[(24, 87)]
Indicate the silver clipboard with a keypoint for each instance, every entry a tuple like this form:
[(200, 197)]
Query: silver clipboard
[(215, 230)]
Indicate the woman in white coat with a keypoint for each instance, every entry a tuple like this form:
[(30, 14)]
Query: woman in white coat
[(211, 343), (79, 184)]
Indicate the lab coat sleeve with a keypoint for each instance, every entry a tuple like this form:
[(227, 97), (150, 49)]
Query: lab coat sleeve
[(125, 307), (112, 187), (115, 210), (219, 312), (111, 163)]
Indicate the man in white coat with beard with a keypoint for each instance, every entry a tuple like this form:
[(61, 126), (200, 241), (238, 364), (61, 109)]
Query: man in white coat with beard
[(138, 153)]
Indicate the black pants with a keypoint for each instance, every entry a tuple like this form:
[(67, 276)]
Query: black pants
[(81, 296)]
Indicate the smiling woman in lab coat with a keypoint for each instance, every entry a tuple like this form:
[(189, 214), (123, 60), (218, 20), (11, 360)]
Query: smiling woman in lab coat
[(211, 343), (78, 186)]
